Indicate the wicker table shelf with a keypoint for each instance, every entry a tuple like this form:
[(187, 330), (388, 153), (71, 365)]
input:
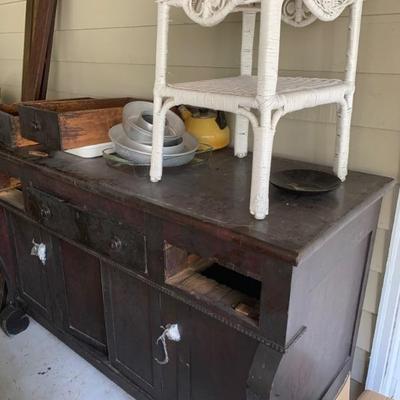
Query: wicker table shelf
[(270, 96), (242, 90)]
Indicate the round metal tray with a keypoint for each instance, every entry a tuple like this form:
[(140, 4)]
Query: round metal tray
[(202, 155), (305, 181), (119, 138), (123, 147)]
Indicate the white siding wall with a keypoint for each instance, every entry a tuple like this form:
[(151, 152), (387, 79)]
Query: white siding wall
[(106, 48)]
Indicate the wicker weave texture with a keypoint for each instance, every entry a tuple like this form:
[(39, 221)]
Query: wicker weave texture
[(327, 10), (295, 12), (246, 86), (270, 95)]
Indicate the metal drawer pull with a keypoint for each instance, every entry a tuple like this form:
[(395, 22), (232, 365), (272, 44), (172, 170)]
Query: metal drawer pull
[(45, 212), (39, 250), (116, 244), (35, 124), (171, 332)]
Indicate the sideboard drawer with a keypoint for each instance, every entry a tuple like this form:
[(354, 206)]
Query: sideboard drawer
[(102, 234)]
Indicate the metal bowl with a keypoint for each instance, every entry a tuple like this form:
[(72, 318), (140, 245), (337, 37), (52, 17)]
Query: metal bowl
[(137, 122), (139, 135), (147, 148), (124, 149), (145, 121)]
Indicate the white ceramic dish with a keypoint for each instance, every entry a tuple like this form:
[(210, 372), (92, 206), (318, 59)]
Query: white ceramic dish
[(123, 148), (92, 151)]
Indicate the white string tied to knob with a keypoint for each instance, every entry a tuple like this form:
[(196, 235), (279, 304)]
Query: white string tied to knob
[(39, 250), (171, 332)]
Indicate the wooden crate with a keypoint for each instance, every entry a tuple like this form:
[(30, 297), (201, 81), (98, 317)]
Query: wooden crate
[(71, 124), (10, 127), (10, 131)]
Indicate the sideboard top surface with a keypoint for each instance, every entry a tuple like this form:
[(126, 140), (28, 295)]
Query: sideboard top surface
[(215, 195)]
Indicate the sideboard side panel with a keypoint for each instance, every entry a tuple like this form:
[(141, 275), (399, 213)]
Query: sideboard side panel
[(327, 293)]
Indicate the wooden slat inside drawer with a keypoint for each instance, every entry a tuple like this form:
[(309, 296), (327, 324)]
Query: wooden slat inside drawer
[(13, 197)]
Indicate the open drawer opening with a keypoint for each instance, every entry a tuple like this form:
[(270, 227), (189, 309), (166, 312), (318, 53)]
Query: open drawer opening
[(11, 191), (207, 279)]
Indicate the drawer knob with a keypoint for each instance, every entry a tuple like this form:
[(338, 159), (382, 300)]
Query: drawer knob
[(39, 250), (36, 125), (172, 333), (116, 244), (45, 212)]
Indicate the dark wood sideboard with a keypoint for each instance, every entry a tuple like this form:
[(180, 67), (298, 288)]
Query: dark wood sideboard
[(266, 309)]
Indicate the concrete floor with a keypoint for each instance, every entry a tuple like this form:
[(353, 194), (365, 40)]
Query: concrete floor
[(356, 390), (35, 365)]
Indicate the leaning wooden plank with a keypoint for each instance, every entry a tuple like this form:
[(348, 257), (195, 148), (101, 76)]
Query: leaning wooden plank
[(40, 17), (29, 20), (45, 79)]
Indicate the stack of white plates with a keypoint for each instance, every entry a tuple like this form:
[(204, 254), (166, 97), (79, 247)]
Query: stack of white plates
[(133, 138)]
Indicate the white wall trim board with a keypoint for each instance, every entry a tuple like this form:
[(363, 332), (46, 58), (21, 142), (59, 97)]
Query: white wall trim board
[(384, 370)]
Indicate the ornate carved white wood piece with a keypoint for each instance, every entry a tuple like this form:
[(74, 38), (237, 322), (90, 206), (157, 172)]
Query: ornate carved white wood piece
[(294, 12)]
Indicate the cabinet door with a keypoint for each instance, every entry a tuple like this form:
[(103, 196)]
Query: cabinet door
[(132, 328), (83, 313), (211, 362), (33, 275)]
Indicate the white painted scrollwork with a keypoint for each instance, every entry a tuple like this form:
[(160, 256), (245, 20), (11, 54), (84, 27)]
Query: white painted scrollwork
[(208, 12), (327, 10), (296, 13)]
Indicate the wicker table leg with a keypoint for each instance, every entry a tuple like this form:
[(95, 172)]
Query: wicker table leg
[(340, 166), (262, 155), (246, 67)]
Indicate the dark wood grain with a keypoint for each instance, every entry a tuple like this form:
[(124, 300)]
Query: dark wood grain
[(212, 362), (326, 296), (302, 344), (213, 199), (130, 328), (84, 313), (8, 265), (96, 231)]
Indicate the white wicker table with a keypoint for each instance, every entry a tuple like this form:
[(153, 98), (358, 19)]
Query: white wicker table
[(269, 95)]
